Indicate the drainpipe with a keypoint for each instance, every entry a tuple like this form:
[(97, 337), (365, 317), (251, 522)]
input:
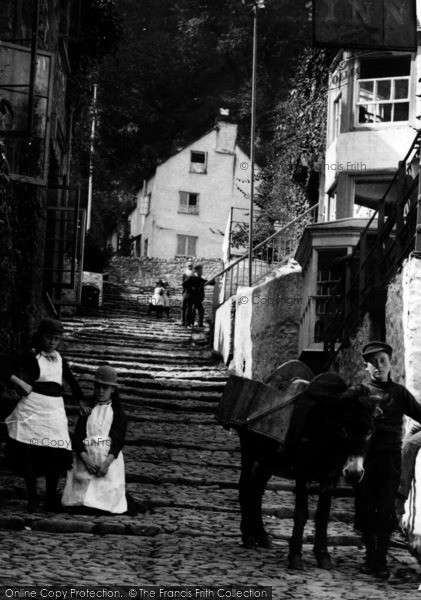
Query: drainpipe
[(91, 159)]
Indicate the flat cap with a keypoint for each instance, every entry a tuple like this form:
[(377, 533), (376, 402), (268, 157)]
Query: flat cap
[(373, 347)]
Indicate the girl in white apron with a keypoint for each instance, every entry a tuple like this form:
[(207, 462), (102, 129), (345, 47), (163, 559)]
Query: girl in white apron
[(39, 442), (97, 479)]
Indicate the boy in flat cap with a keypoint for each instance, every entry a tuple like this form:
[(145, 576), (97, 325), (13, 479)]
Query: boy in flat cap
[(375, 495)]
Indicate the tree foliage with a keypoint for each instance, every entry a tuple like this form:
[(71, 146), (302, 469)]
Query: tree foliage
[(178, 62)]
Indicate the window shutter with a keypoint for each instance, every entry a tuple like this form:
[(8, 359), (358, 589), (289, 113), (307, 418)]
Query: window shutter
[(191, 246), (184, 200), (181, 244)]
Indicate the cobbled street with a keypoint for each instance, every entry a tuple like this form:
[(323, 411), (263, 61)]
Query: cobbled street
[(184, 467)]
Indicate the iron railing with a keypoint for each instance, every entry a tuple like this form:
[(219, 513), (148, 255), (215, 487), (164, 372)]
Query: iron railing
[(266, 257), (387, 240)]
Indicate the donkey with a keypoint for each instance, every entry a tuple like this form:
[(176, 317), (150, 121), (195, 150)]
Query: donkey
[(328, 435)]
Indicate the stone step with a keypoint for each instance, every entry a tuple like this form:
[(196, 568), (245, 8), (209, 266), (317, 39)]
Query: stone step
[(131, 378), (161, 360)]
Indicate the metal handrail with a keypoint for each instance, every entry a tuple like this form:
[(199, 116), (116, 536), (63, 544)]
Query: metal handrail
[(262, 244)]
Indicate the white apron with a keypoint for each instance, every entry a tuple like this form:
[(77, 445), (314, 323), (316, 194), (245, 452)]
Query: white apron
[(38, 419), (84, 489)]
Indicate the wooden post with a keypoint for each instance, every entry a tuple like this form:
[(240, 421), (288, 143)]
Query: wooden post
[(361, 270), (400, 222), (418, 228)]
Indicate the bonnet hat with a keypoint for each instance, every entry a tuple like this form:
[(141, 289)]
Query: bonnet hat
[(106, 375)]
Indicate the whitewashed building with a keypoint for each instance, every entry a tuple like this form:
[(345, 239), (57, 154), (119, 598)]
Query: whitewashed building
[(182, 209), (373, 116)]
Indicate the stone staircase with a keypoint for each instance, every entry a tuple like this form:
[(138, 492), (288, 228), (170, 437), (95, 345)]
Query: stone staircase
[(177, 457), (131, 282), (179, 462)]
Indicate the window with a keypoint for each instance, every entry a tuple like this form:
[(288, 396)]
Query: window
[(145, 247), (198, 162), (330, 280), (186, 245), (337, 115), (383, 90), (189, 203), (331, 207), (24, 117)]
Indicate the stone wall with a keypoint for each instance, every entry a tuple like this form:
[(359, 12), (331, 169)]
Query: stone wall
[(145, 271), (411, 302), (223, 341), (267, 323), (348, 362), (395, 335)]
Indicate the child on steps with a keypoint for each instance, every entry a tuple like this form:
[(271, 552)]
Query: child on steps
[(39, 442), (97, 479)]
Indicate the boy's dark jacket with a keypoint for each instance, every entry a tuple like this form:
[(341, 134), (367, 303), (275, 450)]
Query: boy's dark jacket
[(117, 431), (401, 402)]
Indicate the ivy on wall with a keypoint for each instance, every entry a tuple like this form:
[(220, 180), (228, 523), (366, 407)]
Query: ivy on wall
[(288, 181)]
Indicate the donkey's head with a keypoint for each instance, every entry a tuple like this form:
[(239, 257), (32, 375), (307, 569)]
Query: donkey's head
[(364, 408)]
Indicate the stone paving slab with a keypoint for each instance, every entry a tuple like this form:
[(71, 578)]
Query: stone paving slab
[(77, 559)]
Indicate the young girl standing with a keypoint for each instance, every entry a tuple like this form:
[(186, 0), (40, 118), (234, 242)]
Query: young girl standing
[(39, 442), (97, 479)]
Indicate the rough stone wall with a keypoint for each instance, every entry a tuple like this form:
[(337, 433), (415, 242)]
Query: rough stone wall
[(411, 300), (145, 271), (395, 335), (403, 332), (267, 324), (410, 279), (411, 521), (348, 362)]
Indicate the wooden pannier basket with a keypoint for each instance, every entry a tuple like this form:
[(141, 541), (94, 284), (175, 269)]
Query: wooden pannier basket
[(262, 408)]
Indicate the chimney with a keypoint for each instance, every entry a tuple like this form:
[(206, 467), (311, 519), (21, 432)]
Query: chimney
[(226, 137)]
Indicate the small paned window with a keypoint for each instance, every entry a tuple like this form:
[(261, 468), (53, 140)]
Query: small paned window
[(186, 245), (198, 162), (383, 90), (189, 203)]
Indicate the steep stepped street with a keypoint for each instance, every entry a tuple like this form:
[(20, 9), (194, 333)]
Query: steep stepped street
[(183, 468), (132, 280)]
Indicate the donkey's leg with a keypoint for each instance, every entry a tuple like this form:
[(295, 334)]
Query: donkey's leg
[(322, 518), (245, 496), (261, 477), (246, 485), (300, 520)]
